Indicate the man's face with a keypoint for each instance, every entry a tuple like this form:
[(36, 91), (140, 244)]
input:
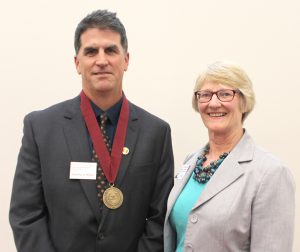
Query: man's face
[(101, 62)]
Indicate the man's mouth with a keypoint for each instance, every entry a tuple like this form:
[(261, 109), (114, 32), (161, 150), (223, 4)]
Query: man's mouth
[(101, 73)]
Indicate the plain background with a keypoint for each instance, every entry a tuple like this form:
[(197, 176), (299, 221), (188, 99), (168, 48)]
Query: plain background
[(170, 42)]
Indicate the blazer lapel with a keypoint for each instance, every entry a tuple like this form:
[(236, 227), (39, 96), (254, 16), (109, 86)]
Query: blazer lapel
[(229, 171), (181, 179), (77, 141)]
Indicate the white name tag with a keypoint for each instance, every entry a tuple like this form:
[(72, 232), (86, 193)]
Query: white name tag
[(182, 172), (83, 170)]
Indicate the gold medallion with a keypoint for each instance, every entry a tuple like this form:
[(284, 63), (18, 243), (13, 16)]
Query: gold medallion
[(125, 151), (113, 197)]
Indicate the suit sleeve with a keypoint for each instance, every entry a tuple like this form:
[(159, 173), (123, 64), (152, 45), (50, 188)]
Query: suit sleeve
[(152, 239), (28, 211), (273, 211)]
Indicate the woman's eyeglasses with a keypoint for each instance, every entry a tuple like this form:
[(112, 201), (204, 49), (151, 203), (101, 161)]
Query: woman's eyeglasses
[(224, 95)]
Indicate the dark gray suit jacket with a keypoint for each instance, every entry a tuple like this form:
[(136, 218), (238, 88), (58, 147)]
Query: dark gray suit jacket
[(49, 212)]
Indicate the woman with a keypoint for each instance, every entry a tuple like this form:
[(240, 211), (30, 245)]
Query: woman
[(230, 195)]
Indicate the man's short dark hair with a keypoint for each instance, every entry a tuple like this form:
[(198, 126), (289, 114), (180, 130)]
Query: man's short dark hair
[(101, 19)]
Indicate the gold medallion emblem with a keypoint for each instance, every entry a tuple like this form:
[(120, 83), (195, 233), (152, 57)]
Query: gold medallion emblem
[(113, 197)]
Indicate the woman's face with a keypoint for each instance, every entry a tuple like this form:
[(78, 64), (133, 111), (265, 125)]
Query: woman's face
[(221, 117)]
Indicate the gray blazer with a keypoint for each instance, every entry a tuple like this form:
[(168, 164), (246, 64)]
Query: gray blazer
[(248, 205), (51, 213)]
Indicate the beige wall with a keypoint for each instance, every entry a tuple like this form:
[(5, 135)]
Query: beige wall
[(170, 42)]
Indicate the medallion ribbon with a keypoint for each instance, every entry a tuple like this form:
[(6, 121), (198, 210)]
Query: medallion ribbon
[(110, 162)]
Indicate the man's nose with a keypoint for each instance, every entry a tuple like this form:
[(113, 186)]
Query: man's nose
[(101, 59)]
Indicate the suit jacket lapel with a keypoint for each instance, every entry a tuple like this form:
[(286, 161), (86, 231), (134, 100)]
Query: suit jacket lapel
[(78, 145), (130, 141), (229, 171)]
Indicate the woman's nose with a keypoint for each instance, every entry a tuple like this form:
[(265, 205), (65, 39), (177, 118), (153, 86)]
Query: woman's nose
[(214, 102)]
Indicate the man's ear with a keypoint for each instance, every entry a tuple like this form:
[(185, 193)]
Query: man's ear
[(76, 61), (126, 61)]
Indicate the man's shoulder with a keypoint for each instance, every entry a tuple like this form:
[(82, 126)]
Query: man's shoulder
[(145, 116), (57, 109)]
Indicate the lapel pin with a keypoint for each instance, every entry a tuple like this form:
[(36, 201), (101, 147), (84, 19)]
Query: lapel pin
[(125, 151)]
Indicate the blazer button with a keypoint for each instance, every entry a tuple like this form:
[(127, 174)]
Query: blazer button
[(194, 218), (100, 236), (189, 248)]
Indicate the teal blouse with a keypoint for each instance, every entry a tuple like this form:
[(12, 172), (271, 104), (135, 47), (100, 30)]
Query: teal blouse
[(182, 208)]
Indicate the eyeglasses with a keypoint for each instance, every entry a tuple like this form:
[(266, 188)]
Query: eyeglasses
[(224, 95)]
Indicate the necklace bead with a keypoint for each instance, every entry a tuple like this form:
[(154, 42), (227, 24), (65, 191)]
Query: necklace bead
[(203, 174)]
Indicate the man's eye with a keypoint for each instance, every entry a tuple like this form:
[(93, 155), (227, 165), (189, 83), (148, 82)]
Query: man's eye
[(110, 50), (90, 52)]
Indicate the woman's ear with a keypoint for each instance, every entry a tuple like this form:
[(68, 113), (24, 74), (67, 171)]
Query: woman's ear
[(243, 106)]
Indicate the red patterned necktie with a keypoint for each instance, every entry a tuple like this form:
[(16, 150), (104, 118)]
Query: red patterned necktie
[(101, 181)]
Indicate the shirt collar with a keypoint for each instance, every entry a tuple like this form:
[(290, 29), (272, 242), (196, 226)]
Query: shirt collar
[(112, 113)]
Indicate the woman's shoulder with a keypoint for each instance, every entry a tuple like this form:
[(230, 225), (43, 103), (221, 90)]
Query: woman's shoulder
[(269, 166), (193, 156)]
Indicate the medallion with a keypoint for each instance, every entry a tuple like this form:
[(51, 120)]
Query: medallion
[(113, 197)]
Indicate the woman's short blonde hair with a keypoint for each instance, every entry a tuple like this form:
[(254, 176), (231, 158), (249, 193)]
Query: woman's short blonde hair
[(226, 73)]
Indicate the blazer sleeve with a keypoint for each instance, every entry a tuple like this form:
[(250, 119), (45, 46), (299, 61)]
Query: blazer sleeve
[(152, 238), (28, 210), (273, 211)]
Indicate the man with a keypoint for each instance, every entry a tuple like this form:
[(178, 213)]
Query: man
[(83, 188)]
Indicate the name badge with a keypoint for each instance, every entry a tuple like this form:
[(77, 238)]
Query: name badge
[(182, 172), (83, 170)]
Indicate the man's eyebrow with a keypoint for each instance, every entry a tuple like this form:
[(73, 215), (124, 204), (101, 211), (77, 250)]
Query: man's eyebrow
[(89, 49), (112, 46)]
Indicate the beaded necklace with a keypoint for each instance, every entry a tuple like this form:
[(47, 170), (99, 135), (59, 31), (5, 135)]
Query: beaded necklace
[(203, 174)]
